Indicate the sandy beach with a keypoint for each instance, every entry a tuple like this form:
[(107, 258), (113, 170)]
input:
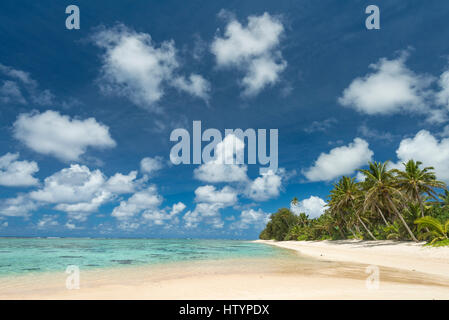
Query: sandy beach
[(310, 270), (405, 255)]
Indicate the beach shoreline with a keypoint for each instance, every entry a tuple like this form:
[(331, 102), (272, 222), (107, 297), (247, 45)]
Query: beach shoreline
[(312, 271), (402, 255)]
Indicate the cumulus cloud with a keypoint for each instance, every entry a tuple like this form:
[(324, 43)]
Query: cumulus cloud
[(209, 203), (390, 88), (254, 49), (47, 221), (151, 165), (313, 207), (223, 167), (146, 199), (70, 185), (15, 173), (122, 183), (265, 187), (136, 68), (159, 217), (54, 134), (20, 206), (340, 161), (252, 219), (79, 191), (208, 213), (226, 196), (429, 150)]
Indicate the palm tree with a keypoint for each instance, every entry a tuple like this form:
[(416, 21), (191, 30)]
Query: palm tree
[(415, 181), (444, 203), (295, 201), (438, 230), (381, 191), (342, 201)]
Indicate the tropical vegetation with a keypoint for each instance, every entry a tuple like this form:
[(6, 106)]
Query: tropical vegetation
[(394, 204)]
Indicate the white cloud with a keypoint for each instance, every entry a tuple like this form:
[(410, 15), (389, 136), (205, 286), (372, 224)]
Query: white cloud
[(195, 85), (340, 161), (223, 168), (210, 202), (10, 93), (150, 165), (134, 67), (70, 225), (252, 219), (146, 199), (442, 97), (209, 213), (253, 48), (122, 183), (429, 150), (226, 196), (390, 88), (20, 206), (15, 173), (70, 185), (54, 134), (47, 221), (265, 187), (78, 191), (313, 207), (159, 217), (21, 88), (359, 177)]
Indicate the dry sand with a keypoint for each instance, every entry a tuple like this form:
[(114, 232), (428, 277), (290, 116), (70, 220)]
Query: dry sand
[(315, 270)]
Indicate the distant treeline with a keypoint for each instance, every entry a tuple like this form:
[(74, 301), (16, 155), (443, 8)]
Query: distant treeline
[(408, 204)]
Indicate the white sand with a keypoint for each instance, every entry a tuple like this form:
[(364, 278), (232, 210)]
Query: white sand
[(404, 255), (407, 271)]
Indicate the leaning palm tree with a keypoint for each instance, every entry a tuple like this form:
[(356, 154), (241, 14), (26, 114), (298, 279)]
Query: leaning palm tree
[(381, 191), (342, 203), (443, 201), (414, 182)]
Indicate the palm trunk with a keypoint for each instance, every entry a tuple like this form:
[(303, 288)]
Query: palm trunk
[(353, 233), (402, 219), (383, 217), (367, 230)]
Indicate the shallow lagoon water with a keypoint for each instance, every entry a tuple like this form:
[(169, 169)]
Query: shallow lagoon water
[(26, 255)]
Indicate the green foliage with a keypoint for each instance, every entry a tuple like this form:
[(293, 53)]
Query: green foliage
[(436, 231), (442, 243), (388, 204), (279, 225)]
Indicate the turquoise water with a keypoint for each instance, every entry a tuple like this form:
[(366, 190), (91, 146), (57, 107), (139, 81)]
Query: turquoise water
[(21, 256)]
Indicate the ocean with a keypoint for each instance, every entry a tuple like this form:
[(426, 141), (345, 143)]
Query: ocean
[(20, 256)]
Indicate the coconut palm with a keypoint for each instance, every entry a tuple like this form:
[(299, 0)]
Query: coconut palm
[(381, 192), (414, 182), (342, 202)]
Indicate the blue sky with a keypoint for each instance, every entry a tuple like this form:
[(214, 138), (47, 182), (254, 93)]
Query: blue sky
[(86, 114)]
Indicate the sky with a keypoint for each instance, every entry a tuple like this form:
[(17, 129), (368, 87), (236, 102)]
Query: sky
[(86, 114)]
